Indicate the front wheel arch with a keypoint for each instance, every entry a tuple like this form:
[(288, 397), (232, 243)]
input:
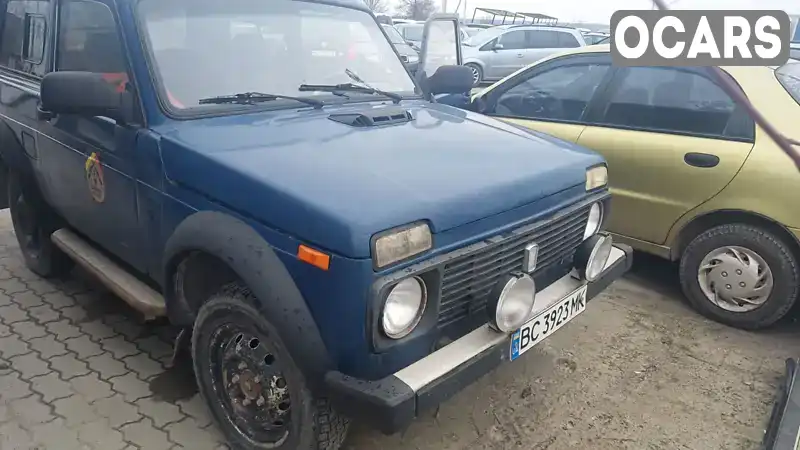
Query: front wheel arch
[(238, 248), (712, 219)]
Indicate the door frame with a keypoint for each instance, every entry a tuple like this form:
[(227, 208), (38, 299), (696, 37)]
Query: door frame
[(596, 110), (491, 97)]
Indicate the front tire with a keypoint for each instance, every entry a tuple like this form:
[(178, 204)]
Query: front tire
[(740, 275), (34, 222), (247, 377)]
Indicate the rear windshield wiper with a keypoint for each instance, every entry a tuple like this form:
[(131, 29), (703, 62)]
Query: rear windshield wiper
[(351, 87), (251, 98)]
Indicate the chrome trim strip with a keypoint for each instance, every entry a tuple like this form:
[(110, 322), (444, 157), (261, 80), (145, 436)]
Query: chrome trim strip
[(447, 359)]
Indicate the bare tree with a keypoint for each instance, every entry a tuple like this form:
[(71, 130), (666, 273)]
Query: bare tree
[(416, 9), (377, 6)]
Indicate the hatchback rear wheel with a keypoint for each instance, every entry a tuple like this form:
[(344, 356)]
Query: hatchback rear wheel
[(740, 275)]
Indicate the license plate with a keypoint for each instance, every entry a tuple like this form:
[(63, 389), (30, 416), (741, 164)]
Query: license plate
[(546, 323)]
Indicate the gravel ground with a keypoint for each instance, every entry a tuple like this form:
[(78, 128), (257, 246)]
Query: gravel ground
[(638, 370)]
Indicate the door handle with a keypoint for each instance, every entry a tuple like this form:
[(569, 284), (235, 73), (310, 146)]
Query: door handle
[(703, 160)]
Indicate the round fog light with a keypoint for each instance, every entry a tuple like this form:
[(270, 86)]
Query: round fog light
[(514, 302), (592, 256), (404, 307)]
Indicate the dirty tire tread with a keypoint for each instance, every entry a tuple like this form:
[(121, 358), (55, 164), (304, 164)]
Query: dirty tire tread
[(774, 250), (328, 429), (52, 262), (332, 426)]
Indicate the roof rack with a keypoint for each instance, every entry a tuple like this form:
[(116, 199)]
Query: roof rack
[(538, 19), (498, 12)]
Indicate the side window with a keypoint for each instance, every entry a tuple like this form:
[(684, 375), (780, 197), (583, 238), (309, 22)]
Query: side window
[(567, 40), (666, 99), (24, 36), (561, 93), (542, 39), (88, 41), (513, 40)]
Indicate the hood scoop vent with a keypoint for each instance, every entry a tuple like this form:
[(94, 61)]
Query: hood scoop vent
[(374, 117)]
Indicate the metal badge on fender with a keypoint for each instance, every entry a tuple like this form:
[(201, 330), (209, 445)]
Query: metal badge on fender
[(529, 260), (94, 176)]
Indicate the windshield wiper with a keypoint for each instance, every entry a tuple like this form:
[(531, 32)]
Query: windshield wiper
[(251, 98), (361, 87)]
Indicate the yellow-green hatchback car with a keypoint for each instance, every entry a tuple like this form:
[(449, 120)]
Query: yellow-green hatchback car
[(693, 178)]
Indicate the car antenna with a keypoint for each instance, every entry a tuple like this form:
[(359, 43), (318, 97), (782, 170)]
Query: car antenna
[(786, 144)]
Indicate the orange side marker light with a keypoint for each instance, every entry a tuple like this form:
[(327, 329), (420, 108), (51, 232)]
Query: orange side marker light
[(314, 257)]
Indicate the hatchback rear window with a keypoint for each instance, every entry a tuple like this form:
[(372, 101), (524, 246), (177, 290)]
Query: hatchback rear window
[(789, 77)]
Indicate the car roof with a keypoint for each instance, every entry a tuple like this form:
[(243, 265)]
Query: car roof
[(735, 71), (538, 26)]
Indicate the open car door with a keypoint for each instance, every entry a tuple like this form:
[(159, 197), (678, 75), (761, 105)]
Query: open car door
[(441, 46)]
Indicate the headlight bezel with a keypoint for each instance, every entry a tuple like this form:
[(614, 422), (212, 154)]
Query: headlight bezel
[(418, 315), (379, 292), (596, 177), (377, 238), (601, 207)]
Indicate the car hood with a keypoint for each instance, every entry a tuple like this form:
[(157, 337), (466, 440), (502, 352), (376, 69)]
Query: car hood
[(335, 185)]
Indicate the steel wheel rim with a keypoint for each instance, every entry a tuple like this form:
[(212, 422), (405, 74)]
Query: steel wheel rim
[(249, 384), (735, 279)]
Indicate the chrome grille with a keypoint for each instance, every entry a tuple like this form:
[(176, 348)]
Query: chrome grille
[(468, 280)]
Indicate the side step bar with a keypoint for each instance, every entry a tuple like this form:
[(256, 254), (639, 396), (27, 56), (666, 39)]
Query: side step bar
[(783, 429), (139, 295)]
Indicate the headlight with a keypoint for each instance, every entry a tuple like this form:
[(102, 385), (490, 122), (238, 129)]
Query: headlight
[(404, 307), (596, 177), (592, 256), (398, 245), (594, 221), (513, 303)]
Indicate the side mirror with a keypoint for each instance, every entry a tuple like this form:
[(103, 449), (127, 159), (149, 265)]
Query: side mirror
[(498, 47), (85, 94), (450, 80), (441, 46)]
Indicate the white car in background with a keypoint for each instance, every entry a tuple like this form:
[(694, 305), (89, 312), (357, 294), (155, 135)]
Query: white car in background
[(500, 51)]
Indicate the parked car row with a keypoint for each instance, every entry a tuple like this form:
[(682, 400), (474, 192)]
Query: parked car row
[(693, 179)]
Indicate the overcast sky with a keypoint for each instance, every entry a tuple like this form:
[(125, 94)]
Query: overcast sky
[(600, 11)]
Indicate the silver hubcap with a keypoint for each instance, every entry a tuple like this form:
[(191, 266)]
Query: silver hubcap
[(476, 75), (736, 279)]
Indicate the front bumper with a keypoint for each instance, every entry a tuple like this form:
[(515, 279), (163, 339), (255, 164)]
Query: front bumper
[(783, 430), (391, 403)]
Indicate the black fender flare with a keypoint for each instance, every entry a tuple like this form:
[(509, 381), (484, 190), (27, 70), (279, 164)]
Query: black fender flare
[(240, 247), (11, 151), (12, 157)]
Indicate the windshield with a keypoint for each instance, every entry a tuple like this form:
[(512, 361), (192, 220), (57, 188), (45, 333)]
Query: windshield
[(413, 32), (789, 77), (207, 48), (471, 31), (394, 35), (484, 36)]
